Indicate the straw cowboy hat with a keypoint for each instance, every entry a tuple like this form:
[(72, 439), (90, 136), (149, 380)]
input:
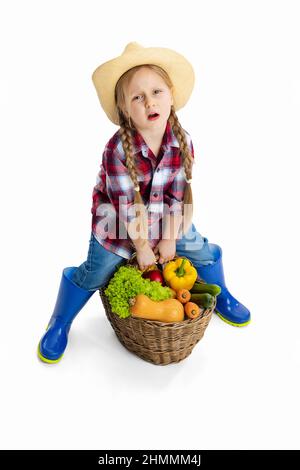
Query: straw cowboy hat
[(106, 76)]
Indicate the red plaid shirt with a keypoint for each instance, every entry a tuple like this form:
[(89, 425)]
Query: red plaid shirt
[(162, 182)]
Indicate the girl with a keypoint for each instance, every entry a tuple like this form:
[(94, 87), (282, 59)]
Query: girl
[(142, 201)]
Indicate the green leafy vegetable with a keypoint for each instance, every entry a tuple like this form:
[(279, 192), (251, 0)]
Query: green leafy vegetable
[(128, 282)]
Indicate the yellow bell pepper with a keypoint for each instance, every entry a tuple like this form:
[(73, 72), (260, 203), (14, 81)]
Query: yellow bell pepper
[(180, 274)]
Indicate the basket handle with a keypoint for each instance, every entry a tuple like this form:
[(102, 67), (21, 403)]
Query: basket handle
[(133, 259)]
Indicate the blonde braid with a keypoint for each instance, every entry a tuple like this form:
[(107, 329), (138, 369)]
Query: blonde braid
[(187, 162), (127, 143)]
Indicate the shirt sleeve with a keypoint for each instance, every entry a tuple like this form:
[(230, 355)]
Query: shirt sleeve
[(119, 185), (99, 189), (173, 196)]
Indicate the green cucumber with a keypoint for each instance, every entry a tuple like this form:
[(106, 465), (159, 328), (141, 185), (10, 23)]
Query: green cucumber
[(201, 287), (205, 300)]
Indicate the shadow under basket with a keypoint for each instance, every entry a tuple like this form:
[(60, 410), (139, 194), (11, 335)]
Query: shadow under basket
[(158, 342)]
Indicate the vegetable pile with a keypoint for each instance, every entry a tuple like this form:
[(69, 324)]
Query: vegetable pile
[(128, 282), (170, 295)]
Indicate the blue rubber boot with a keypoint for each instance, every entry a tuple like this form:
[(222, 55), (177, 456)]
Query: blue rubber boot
[(227, 308), (70, 301)]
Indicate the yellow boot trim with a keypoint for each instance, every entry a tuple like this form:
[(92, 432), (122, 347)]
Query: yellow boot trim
[(230, 322), (44, 359)]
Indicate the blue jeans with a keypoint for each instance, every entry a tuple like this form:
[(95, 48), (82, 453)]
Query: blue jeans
[(102, 263)]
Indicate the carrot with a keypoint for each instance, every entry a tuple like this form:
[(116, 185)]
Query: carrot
[(183, 295), (192, 310)]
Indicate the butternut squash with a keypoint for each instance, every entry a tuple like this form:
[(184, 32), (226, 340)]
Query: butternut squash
[(169, 310)]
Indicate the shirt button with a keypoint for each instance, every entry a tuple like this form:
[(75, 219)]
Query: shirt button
[(158, 169), (155, 195)]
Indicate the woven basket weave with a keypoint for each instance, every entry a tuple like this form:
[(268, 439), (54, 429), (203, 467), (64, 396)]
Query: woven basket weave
[(157, 342)]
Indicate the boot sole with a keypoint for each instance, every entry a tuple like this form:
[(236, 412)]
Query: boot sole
[(230, 322), (44, 359)]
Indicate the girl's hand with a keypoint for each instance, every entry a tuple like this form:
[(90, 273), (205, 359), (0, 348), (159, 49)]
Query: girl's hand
[(166, 250), (145, 258)]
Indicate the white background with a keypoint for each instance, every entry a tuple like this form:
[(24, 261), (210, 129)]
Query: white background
[(240, 387)]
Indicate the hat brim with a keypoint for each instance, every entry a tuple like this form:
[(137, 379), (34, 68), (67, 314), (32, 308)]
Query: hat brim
[(180, 71)]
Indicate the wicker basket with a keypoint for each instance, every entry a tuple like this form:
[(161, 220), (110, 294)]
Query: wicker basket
[(157, 342)]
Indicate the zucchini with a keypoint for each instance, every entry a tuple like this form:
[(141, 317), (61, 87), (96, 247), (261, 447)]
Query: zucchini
[(200, 287), (205, 300)]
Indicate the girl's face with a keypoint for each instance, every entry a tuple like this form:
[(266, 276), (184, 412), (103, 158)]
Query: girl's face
[(147, 93)]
